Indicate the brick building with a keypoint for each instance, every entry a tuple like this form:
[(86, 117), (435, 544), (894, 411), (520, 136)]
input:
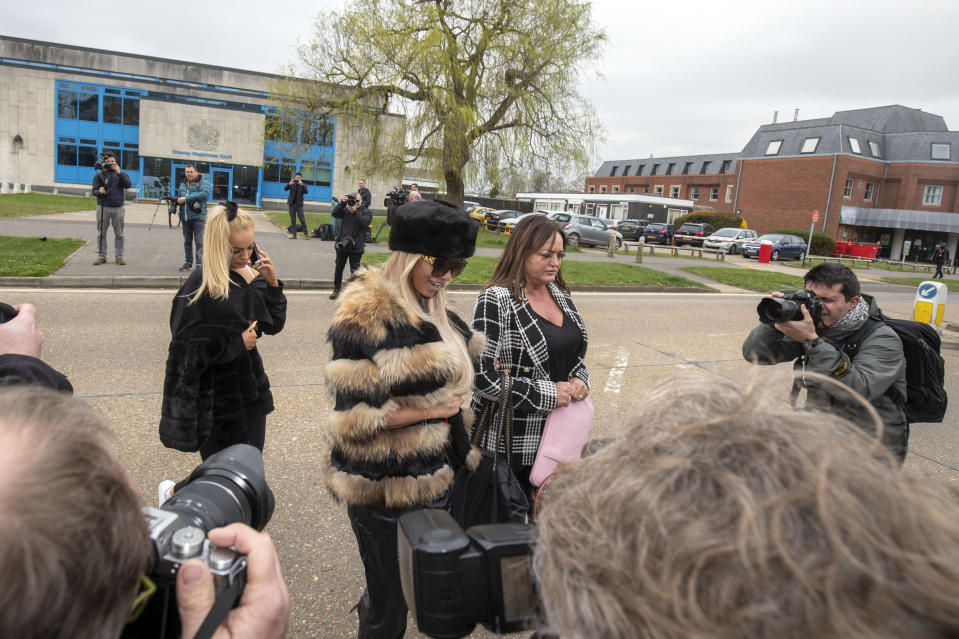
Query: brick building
[(887, 175)]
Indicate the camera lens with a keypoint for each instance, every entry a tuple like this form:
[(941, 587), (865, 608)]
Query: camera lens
[(773, 310), (229, 487)]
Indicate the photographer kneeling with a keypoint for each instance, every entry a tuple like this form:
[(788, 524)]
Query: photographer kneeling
[(74, 542), (350, 239), (876, 371)]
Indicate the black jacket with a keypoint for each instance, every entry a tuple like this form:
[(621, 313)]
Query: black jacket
[(385, 356), (23, 369), (366, 196), (211, 380), (297, 191), (115, 183), (354, 226)]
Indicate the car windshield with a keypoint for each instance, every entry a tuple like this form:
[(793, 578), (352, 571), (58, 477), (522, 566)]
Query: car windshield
[(774, 237), (726, 233)]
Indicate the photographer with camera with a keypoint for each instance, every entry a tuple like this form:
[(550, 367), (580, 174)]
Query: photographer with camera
[(294, 202), (109, 186), (832, 315), (75, 543), (20, 345), (350, 239), (193, 193)]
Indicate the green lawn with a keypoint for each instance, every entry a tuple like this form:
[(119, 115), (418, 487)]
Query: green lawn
[(34, 257), (860, 265), (485, 238), (480, 270), (22, 204), (952, 285), (748, 278)]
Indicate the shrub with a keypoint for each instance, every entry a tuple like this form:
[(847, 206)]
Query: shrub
[(718, 219), (822, 243)]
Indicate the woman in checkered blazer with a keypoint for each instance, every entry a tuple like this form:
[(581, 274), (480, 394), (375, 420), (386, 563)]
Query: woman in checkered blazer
[(534, 334)]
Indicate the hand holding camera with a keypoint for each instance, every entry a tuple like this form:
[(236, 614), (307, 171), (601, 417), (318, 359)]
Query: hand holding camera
[(19, 334), (793, 314)]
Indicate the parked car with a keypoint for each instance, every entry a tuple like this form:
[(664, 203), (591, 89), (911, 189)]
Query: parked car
[(784, 246), (493, 217), (507, 225), (658, 233), (587, 230), (560, 217), (479, 213), (692, 233), (631, 229), (729, 239), (610, 223), (468, 205)]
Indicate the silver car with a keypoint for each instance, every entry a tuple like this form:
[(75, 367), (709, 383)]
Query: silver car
[(729, 239), (587, 230)]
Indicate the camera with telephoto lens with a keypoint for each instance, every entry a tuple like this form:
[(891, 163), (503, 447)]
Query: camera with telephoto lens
[(396, 197), (788, 308), (453, 579), (229, 487)]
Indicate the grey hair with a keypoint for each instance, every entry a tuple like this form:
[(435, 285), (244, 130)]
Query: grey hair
[(723, 513)]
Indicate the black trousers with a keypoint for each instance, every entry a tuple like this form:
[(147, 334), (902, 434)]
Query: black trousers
[(297, 210), (938, 270), (382, 609), (255, 436), (341, 257)]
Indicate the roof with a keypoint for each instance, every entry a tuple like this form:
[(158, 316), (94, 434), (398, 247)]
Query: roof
[(899, 219), (680, 161)]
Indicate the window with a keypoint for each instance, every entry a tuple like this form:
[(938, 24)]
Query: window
[(67, 151), (687, 167), (639, 169), (854, 145), (131, 111), (809, 145), (714, 193), (847, 192), (592, 189), (316, 173), (658, 190), (867, 195), (615, 189), (67, 105), (632, 189), (932, 196), (705, 168), (729, 193), (626, 170), (874, 149), (940, 151), (694, 193), (318, 133), (130, 160), (612, 172), (654, 170), (669, 168), (645, 189), (674, 191), (602, 188), (113, 109), (773, 148), (724, 167)]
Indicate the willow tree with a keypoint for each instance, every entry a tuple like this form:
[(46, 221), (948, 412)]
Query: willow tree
[(499, 76)]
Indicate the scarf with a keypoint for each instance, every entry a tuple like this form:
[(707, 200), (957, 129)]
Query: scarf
[(851, 320)]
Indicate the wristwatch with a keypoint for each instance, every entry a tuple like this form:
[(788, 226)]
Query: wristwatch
[(812, 342)]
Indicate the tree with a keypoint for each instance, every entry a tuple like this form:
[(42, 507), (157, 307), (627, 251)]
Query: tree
[(471, 77)]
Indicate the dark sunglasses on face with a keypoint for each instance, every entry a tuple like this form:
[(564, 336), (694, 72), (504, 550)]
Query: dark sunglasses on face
[(442, 265)]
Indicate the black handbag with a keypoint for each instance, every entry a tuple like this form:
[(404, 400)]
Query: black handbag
[(491, 494)]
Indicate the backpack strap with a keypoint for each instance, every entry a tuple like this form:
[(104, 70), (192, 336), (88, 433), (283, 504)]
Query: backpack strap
[(850, 346)]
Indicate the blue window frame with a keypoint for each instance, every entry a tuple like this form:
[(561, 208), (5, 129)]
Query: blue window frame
[(295, 143)]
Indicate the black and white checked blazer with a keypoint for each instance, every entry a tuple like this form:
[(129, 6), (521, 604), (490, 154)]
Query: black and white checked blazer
[(516, 345)]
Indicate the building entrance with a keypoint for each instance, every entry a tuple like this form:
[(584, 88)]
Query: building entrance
[(221, 185)]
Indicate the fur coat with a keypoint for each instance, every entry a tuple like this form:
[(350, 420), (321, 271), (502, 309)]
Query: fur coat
[(386, 356)]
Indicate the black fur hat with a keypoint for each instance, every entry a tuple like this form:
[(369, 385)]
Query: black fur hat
[(435, 228)]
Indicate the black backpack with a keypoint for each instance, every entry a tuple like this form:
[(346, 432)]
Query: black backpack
[(324, 232), (926, 398)]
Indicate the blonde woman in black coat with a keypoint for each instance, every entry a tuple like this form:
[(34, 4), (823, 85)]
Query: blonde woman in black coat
[(401, 371)]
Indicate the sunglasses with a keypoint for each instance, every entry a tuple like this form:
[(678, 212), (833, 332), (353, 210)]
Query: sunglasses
[(442, 265)]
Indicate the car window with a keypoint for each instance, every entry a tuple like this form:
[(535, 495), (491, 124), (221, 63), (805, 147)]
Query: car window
[(726, 233), (598, 224)]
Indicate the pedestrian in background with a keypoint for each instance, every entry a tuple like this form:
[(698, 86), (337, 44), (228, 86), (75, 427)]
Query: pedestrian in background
[(350, 238), (193, 194), (109, 186), (294, 201)]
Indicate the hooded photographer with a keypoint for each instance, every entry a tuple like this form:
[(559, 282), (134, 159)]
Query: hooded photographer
[(355, 216)]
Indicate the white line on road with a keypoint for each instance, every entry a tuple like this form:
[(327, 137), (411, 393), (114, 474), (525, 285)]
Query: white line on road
[(613, 382)]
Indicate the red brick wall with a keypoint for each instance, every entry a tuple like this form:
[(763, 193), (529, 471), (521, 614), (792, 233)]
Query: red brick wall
[(685, 183), (915, 177), (778, 193)]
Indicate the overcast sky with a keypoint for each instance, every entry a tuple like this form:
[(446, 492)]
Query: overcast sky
[(680, 77)]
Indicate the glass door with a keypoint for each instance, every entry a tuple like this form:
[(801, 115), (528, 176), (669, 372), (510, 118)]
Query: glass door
[(179, 175), (222, 184)]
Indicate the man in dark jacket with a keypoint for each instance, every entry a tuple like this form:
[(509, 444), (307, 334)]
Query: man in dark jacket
[(940, 255), (876, 367), (364, 193), (109, 186), (193, 194), (350, 237), (297, 189)]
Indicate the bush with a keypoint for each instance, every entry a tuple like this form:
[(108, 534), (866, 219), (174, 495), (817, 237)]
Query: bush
[(822, 243), (718, 219)]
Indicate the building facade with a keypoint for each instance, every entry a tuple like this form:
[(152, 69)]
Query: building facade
[(60, 106), (885, 175)]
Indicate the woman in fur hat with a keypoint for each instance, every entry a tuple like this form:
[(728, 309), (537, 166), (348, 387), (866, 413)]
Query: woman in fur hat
[(402, 368)]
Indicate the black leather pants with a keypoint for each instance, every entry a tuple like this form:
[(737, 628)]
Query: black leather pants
[(382, 609)]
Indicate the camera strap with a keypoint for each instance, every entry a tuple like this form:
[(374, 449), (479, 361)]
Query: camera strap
[(225, 601)]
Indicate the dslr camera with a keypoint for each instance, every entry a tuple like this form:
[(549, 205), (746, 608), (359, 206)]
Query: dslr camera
[(351, 200), (229, 487), (396, 197), (453, 579), (788, 308)]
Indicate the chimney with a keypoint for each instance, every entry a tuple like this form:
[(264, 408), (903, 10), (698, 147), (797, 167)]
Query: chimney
[(795, 115), (775, 116)]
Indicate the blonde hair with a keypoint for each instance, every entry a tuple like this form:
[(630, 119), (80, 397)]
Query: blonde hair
[(724, 513), (398, 270), (217, 253)]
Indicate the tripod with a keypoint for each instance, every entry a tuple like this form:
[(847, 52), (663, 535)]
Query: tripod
[(171, 208)]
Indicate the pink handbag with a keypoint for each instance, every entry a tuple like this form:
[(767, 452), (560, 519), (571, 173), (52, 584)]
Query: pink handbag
[(564, 435)]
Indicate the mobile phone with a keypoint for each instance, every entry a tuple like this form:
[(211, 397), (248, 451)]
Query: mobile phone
[(255, 258)]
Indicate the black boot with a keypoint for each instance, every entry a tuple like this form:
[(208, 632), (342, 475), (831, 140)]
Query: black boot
[(335, 294)]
